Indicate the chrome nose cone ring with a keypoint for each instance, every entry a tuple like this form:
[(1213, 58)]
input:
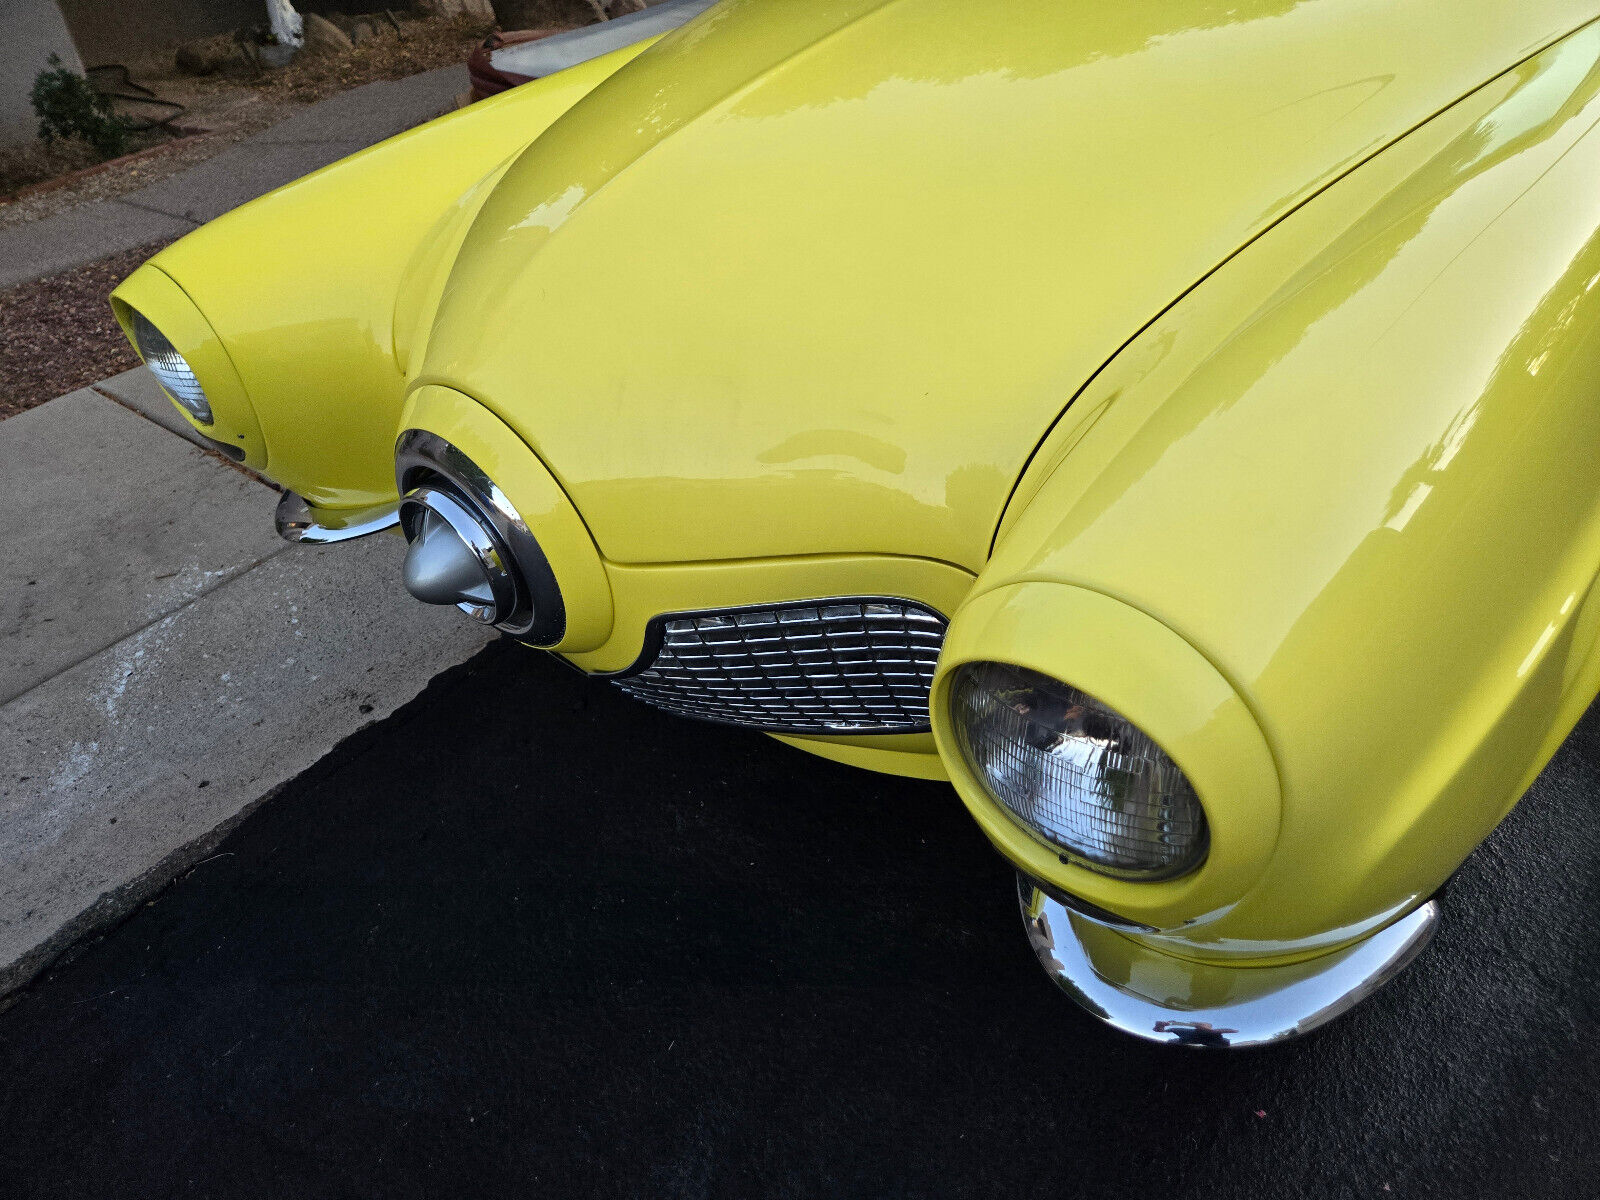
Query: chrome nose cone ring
[(455, 556), (469, 546)]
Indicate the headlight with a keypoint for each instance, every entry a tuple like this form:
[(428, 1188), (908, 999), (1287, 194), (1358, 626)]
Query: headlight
[(170, 369), (1077, 773)]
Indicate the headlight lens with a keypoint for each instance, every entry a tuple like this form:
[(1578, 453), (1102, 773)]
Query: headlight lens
[(170, 369), (1077, 773)]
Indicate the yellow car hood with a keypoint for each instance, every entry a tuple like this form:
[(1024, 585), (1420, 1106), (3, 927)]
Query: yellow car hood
[(817, 277)]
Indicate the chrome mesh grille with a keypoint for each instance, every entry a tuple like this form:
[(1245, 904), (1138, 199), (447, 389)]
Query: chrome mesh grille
[(831, 666)]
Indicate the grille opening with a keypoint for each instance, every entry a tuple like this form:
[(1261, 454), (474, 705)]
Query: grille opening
[(853, 665)]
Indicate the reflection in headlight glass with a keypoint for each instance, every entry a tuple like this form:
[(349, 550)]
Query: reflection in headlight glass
[(171, 369), (1077, 773)]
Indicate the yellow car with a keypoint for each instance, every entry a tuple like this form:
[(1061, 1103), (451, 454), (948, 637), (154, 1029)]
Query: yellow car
[(1175, 423)]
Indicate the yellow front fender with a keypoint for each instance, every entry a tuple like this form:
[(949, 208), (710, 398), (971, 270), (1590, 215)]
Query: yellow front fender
[(303, 293), (1355, 473)]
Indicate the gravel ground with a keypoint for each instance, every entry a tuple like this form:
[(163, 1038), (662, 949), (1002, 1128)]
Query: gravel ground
[(234, 105), (248, 118), (25, 165), (57, 333), (389, 55)]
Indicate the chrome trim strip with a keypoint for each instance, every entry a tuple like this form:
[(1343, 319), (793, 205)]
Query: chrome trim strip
[(1084, 909), (562, 50), (1090, 962), (299, 521)]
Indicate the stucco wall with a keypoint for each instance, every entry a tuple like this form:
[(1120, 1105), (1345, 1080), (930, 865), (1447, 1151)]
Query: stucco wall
[(109, 31), (30, 31)]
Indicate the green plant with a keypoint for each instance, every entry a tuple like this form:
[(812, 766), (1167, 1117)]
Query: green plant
[(69, 107)]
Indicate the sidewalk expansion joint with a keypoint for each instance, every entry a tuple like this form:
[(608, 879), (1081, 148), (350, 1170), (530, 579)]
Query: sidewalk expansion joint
[(312, 141), (160, 212), (151, 624), (209, 450)]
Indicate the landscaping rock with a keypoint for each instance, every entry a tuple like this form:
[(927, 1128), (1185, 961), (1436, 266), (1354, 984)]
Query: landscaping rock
[(478, 10), (538, 14), (324, 37), (276, 54), (201, 57)]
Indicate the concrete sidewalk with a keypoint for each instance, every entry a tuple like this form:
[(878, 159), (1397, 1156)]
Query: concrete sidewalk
[(323, 133), (166, 661)]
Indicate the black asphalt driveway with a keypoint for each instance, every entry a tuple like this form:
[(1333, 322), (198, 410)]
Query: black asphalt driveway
[(528, 938)]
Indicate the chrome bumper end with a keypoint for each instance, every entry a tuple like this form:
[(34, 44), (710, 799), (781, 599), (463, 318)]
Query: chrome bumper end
[(298, 521), (1177, 1002)]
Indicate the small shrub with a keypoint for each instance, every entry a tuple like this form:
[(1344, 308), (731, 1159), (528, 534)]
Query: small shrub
[(68, 107)]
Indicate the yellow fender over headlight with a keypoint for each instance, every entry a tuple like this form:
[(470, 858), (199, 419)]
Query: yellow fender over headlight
[(1355, 470), (313, 294), (536, 497), (234, 425), (1148, 673)]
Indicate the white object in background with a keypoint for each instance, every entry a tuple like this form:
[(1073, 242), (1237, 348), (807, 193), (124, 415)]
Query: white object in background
[(549, 55), (287, 27)]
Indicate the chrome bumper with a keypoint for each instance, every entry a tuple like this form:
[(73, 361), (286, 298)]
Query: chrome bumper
[(1177, 1002), (298, 521)]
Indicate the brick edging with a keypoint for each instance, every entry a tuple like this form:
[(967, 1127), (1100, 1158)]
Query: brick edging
[(71, 177)]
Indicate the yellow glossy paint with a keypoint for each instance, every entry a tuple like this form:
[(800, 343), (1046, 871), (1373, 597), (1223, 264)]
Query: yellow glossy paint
[(1137, 666), (830, 271), (1240, 353), (644, 592), (913, 755), (544, 507), (303, 286), (1355, 472), (604, 636), (233, 417)]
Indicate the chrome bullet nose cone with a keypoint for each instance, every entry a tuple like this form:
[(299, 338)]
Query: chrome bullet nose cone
[(441, 568), (455, 557)]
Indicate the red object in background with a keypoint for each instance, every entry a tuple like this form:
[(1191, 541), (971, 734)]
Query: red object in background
[(486, 80)]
